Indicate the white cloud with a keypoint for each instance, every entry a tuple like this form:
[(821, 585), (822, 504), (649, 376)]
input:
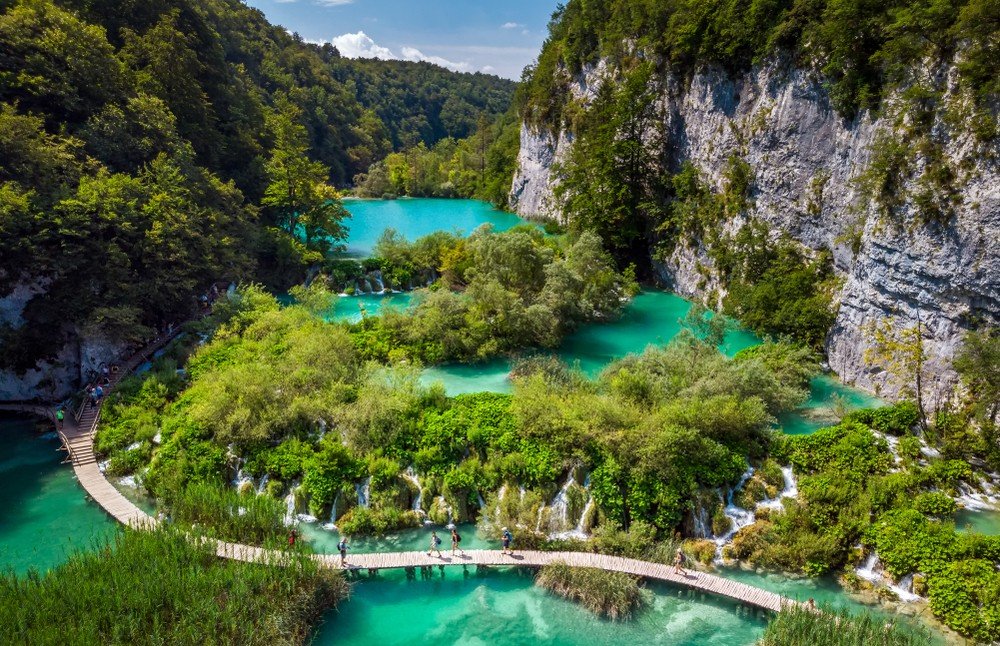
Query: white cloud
[(414, 54), (326, 3), (489, 69), (360, 45), (511, 25)]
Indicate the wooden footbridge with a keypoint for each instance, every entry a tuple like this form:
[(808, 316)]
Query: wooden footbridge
[(78, 436)]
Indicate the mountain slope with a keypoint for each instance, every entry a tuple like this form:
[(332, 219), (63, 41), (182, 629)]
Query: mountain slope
[(850, 145)]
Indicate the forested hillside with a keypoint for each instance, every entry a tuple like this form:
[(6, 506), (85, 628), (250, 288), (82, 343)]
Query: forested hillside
[(151, 147), (823, 169)]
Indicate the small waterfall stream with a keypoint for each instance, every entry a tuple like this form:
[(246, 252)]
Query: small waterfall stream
[(411, 475), (362, 490)]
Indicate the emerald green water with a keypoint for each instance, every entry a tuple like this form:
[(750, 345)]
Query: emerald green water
[(45, 514), (354, 308), (828, 400), (408, 540), (502, 606), (983, 522), (652, 318), (417, 217)]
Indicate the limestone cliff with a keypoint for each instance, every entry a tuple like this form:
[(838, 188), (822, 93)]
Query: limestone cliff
[(806, 161)]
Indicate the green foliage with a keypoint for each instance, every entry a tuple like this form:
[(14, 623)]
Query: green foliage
[(857, 47), (161, 587), (519, 289), (609, 594), (899, 419), (801, 627), (223, 513), (376, 522)]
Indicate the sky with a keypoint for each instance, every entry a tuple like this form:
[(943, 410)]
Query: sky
[(494, 36)]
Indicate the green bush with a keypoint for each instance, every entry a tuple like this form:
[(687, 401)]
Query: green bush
[(935, 503), (376, 522), (800, 627)]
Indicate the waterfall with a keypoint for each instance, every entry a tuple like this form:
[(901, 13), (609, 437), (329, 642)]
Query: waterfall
[(377, 275), (976, 501), (538, 523), (699, 518), (502, 492), (791, 490), (738, 517), (521, 490), (158, 438), (290, 507), (871, 570), (479, 499), (560, 504), (263, 485), (411, 475), (579, 531), (241, 478), (332, 524), (362, 490)]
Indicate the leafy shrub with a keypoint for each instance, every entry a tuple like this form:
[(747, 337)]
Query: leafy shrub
[(935, 503), (376, 522)]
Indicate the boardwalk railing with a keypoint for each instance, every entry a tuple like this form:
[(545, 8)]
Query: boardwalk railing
[(78, 437)]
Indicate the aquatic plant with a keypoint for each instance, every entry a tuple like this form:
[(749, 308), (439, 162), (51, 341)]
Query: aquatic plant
[(801, 627), (161, 588), (610, 594)]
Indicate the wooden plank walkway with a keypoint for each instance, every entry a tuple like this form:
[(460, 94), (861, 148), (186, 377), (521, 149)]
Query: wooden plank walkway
[(79, 439)]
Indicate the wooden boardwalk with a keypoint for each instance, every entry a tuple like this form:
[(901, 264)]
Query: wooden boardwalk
[(78, 436)]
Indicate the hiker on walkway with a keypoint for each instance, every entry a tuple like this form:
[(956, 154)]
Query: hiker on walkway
[(98, 393), (292, 535), (679, 562), (455, 540), (435, 544), (507, 539), (105, 375), (92, 393), (60, 416), (342, 548)]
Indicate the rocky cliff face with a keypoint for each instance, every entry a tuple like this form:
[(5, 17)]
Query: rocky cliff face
[(806, 160), (55, 378)]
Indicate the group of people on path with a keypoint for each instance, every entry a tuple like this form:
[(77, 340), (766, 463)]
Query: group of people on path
[(506, 539)]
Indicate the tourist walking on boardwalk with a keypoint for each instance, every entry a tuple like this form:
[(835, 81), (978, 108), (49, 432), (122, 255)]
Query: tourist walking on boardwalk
[(507, 539), (60, 416), (435, 544), (92, 393), (342, 548), (292, 535), (455, 540), (98, 394), (679, 562)]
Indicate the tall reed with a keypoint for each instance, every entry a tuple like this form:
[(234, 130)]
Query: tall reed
[(610, 594), (162, 588), (799, 627)]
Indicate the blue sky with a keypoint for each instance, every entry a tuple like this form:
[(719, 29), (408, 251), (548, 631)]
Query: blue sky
[(495, 36)]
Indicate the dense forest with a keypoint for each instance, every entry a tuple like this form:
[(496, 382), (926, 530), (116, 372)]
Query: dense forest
[(151, 148)]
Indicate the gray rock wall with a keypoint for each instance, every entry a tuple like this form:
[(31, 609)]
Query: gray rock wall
[(803, 153)]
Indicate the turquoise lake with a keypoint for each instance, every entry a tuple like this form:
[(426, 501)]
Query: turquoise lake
[(46, 512), (417, 217)]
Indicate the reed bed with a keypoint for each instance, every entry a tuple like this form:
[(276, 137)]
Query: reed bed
[(226, 514), (162, 588), (609, 594), (800, 627)]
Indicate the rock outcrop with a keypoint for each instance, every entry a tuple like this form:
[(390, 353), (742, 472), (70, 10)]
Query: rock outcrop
[(806, 161)]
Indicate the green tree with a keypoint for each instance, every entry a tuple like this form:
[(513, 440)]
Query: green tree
[(298, 195)]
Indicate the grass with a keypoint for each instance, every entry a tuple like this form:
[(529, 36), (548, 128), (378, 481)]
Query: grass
[(799, 627), (226, 514), (609, 594), (160, 588)]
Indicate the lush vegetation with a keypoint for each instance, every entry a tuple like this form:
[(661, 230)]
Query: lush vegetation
[(282, 393), (160, 587), (151, 148), (478, 166), (800, 627), (859, 48), (609, 594), (496, 293)]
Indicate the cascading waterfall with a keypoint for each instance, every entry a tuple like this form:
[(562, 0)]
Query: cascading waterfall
[(871, 570), (411, 475), (377, 275), (791, 490), (560, 504), (579, 530), (290, 507), (362, 490), (986, 500), (263, 484), (332, 524), (738, 517)]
